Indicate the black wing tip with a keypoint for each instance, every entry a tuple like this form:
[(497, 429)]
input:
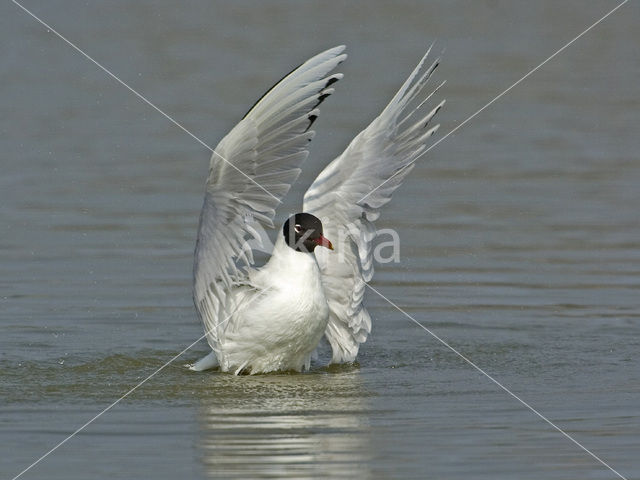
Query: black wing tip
[(312, 118), (332, 79), (322, 97), (326, 91)]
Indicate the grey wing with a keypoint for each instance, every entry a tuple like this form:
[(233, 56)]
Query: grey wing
[(348, 194), (251, 170)]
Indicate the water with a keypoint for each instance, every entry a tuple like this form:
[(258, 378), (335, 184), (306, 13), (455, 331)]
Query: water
[(520, 245)]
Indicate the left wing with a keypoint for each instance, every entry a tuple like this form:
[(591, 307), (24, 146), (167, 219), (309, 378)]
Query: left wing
[(251, 169), (347, 197)]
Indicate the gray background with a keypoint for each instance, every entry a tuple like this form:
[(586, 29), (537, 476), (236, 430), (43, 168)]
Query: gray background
[(520, 243)]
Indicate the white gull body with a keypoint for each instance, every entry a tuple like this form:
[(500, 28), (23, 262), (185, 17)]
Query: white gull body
[(273, 318), (280, 329)]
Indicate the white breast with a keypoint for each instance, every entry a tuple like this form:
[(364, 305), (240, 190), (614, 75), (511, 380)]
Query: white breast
[(281, 330)]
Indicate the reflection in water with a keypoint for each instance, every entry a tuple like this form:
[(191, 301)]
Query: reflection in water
[(286, 426)]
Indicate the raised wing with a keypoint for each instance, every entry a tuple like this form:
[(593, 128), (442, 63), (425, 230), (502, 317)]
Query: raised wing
[(347, 197), (251, 169)]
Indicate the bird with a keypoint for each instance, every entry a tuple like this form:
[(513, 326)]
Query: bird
[(272, 318)]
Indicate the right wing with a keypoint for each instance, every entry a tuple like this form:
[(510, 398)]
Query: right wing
[(251, 170), (348, 195)]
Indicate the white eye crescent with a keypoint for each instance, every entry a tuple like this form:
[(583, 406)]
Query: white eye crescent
[(297, 228)]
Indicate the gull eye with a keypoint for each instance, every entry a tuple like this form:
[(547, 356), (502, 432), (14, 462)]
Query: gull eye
[(297, 228)]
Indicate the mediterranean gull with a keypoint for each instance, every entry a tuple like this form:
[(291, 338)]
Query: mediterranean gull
[(272, 318)]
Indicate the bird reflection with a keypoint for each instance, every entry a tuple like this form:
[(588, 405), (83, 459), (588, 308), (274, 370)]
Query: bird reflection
[(286, 426)]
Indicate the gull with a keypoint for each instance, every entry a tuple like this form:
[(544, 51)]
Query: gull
[(272, 318)]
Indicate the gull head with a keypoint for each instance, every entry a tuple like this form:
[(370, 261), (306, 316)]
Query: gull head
[(303, 233)]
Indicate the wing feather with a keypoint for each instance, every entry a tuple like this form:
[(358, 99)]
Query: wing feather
[(251, 170), (348, 195)]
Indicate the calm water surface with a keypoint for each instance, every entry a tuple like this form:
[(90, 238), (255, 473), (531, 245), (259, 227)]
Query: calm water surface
[(520, 244)]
